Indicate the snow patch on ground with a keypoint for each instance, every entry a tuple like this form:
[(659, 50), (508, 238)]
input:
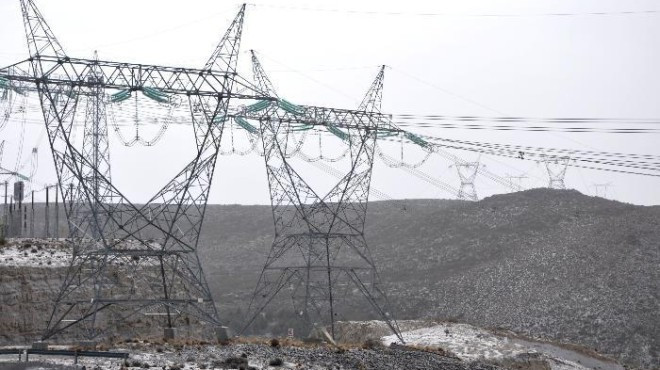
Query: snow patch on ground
[(34, 254), (471, 343), (466, 341)]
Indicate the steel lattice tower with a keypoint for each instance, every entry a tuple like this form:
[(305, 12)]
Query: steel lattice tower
[(319, 253), (556, 168), (129, 259), (467, 173), (97, 149)]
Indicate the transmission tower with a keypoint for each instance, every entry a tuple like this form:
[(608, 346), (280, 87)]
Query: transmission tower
[(467, 173), (556, 168), (128, 260), (518, 180), (319, 254), (601, 189)]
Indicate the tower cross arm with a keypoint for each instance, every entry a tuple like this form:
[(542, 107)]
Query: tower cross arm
[(321, 116), (131, 76)]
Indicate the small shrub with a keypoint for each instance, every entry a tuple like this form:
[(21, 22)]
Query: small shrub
[(232, 362), (371, 344), (275, 343), (276, 362)]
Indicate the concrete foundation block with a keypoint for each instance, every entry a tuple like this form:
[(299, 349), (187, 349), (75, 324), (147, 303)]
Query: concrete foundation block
[(222, 333), (169, 333), (87, 344), (42, 346)]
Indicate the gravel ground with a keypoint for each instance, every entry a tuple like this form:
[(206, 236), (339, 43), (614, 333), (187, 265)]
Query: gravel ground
[(265, 356)]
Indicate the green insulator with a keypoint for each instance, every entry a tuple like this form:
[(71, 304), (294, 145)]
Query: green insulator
[(302, 128), (246, 125), (337, 132), (290, 107), (258, 106), (119, 100), (150, 94), (417, 140), (219, 119), (120, 96), (387, 133), (155, 92)]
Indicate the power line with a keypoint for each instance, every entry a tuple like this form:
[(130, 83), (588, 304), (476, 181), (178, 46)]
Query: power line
[(473, 15), (462, 126), (515, 120)]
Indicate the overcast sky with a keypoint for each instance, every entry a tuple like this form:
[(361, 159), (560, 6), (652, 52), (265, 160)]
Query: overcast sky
[(485, 58)]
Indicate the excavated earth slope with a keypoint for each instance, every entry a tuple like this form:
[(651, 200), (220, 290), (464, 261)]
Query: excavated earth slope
[(549, 264)]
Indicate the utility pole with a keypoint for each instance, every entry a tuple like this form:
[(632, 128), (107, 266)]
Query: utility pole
[(32, 215), (46, 213), (57, 212), (4, 227)]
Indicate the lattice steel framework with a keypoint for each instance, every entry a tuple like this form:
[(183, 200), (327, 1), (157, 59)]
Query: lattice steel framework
[(556, 168), (319, 252), (96, 148), (467, 173), (129, 259)]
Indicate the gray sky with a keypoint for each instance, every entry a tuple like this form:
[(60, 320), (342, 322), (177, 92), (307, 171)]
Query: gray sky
[(457, 62)]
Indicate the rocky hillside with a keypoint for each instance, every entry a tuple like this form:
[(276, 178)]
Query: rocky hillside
[(552, 264)]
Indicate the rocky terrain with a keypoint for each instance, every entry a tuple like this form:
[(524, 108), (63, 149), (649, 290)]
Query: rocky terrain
[(549, 264), (261, 354)]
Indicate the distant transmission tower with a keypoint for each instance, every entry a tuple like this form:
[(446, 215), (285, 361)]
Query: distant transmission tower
[(467, 173), (556, 168), (601, 189), (320, 255), (518, 180)]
